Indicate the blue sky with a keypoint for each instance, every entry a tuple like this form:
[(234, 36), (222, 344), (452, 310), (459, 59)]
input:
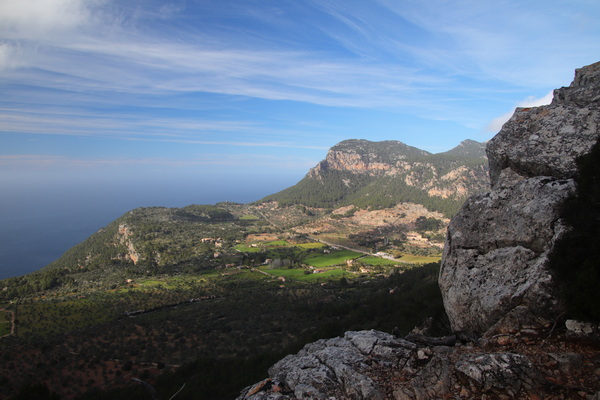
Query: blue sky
[(260, 89)]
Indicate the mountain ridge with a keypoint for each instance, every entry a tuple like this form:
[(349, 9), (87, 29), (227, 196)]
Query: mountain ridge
[(383, 174)]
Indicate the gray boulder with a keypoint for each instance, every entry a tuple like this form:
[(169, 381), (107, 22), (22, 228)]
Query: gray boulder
[(370, 365), (495, 261), (336, 368), (546, 140)]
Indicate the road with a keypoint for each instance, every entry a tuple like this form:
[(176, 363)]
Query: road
[(12, 321)]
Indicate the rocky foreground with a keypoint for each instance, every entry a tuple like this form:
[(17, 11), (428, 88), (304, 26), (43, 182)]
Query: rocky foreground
[(498, 289), (556, 364)]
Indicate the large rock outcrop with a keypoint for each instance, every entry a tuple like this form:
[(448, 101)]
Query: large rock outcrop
[(382, 174), (494, 276)]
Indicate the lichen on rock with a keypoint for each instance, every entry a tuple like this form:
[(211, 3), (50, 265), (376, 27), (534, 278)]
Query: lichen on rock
[(498, 245)]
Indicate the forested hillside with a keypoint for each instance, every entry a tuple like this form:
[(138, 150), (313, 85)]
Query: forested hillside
[(383, 174)]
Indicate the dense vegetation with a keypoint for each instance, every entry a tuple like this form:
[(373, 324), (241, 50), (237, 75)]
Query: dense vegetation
[(334, 187), (211, 295), (576, 259), (243, 319), (240, 336), (361, 191)]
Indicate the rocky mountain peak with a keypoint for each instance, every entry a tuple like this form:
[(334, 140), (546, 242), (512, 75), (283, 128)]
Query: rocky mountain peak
[(583, 91), (467, 148), (384, 174), (366, 157)]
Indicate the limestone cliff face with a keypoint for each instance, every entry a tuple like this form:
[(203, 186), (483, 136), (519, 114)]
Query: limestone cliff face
[(495, 264), (440, 175), (124, 237)]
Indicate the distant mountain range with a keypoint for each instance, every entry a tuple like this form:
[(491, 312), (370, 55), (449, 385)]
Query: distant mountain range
[(383, 174)]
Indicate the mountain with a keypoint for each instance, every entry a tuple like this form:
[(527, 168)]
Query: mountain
[(366, 195), (233, 287), (382, 174)]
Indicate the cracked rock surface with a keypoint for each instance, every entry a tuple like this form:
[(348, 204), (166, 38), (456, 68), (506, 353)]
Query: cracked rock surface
[(368, 365), (495, 260)]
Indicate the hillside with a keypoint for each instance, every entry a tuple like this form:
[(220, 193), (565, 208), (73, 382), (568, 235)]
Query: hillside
[(208, 296), (194, 291), (383, 174), (390, 198)]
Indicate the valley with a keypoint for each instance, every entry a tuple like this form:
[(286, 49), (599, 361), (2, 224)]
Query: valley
[(254, 293), (211, 295)]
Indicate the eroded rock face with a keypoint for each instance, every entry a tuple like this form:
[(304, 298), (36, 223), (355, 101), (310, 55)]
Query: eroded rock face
[(497, 246), (370, 365), (334, 368), (546, 140)]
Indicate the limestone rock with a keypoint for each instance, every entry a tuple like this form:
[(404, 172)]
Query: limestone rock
[(580, 329), (336, 368), (498, 374), (496, 253), (546, 140), (376, 365), (497, 246)]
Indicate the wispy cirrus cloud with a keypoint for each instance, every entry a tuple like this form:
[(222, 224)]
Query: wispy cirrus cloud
[(434, 60), (135, 127), (132, 60), (250, 162)]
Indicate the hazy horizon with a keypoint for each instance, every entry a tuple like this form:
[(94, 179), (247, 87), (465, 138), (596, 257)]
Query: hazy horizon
[(47, 219), (129, 96)]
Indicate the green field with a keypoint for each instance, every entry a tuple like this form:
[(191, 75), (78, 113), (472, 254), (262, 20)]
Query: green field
[(335, 258), (372, 260), (247, 249), (313, 245), (277, 243), (261, 246)]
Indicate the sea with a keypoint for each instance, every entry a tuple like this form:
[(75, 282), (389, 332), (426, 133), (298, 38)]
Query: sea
[(38, 223)]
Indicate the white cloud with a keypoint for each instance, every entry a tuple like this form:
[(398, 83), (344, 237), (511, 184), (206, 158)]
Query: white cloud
[(496, 124), (33, 18), (248, 161), (27, 27), (532, 101), (9, 57), (118, 55)]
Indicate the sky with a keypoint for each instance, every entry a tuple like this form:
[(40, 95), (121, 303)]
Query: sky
[(218, 91), (110, 105)]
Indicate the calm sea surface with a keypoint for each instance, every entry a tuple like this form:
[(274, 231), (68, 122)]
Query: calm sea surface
[(38, 224)]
